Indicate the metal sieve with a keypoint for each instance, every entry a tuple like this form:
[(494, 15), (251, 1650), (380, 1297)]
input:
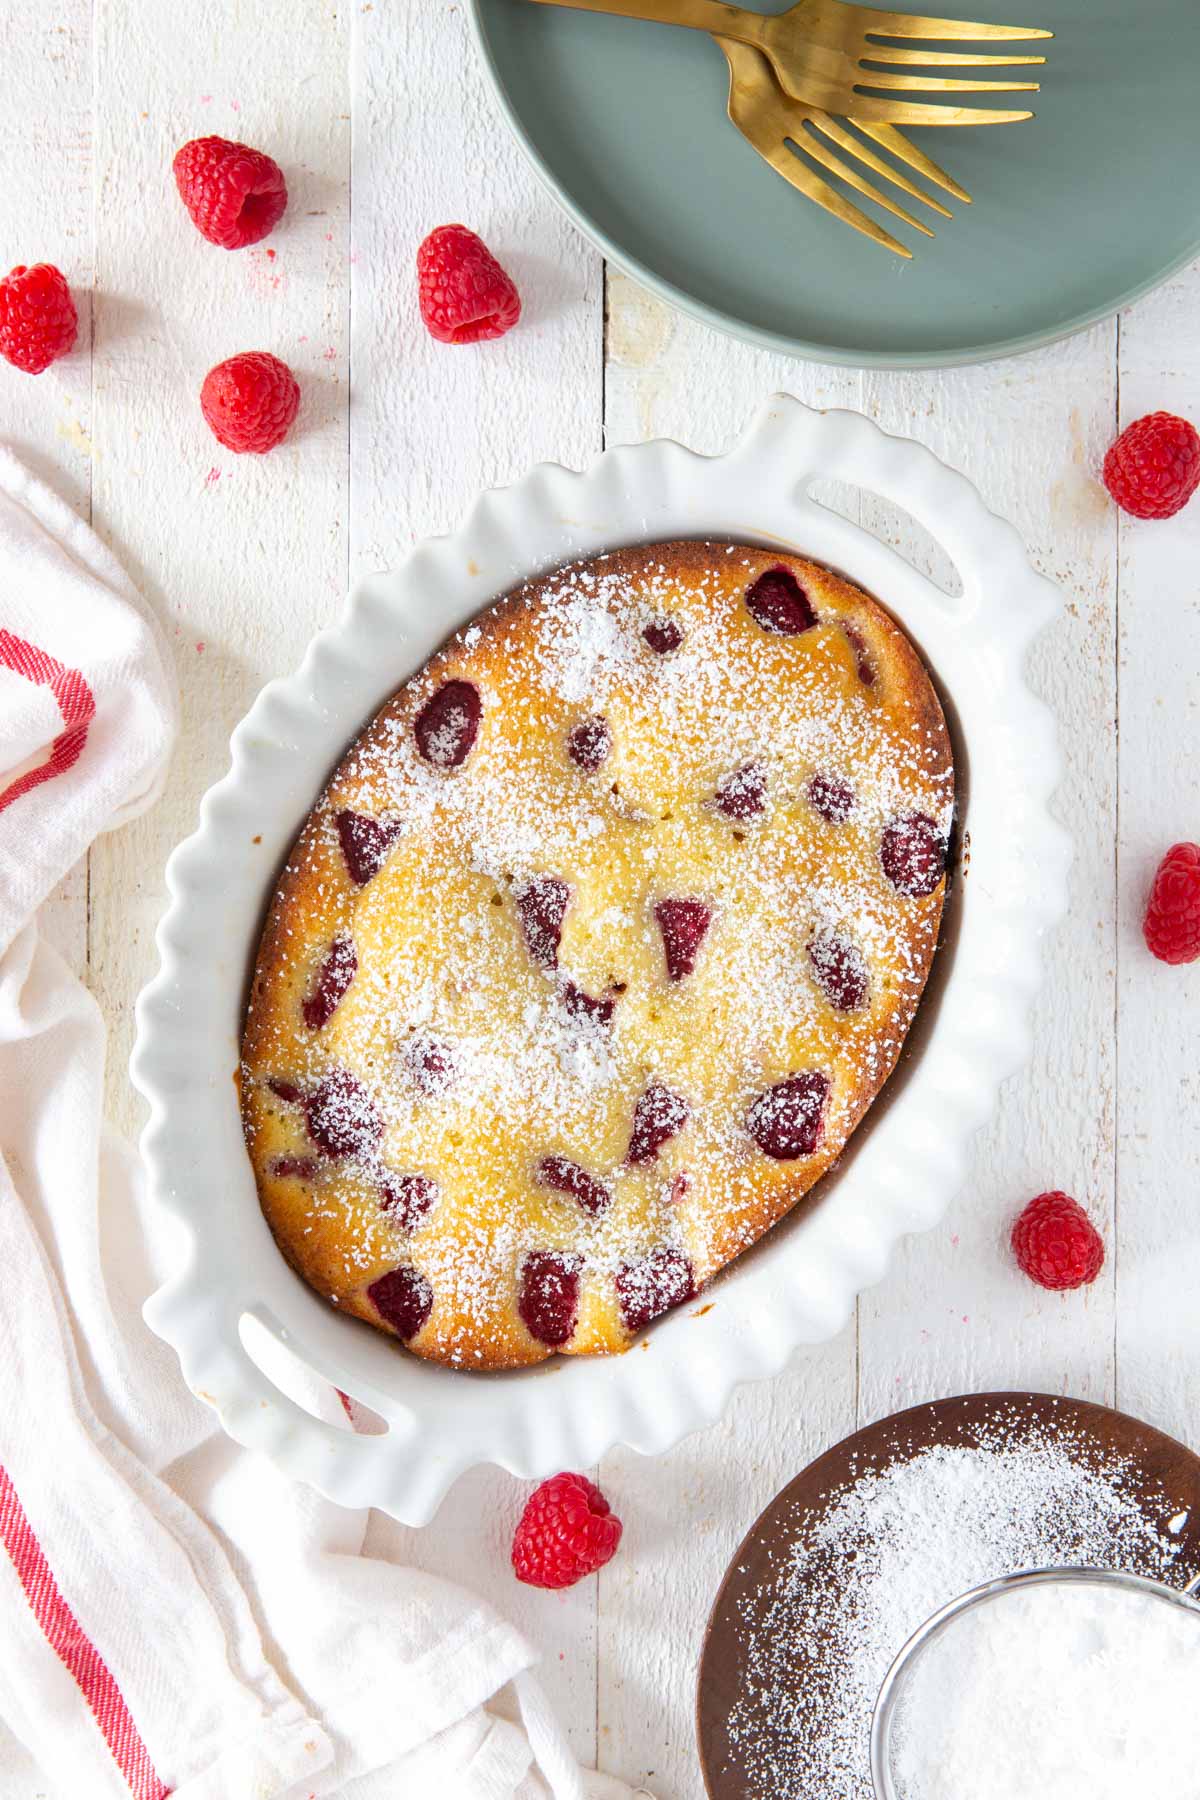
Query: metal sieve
[(891, 1690)]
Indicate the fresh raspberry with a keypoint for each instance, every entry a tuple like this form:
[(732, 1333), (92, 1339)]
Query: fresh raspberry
[(1154, 467), (38, 321), (1056, 1243), (1172, 923), (567, 1531), (465, 295), (235, 195), (250, 402)]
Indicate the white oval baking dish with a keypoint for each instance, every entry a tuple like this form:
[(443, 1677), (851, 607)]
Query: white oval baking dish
[(899, 1173)]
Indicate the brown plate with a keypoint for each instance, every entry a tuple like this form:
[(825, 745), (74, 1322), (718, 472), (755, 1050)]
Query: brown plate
[(1162, 1474)]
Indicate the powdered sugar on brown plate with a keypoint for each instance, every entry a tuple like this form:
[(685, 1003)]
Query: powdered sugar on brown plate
[(889, 1550)]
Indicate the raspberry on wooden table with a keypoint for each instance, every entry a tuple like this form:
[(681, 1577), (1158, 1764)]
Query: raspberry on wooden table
[(1056, 1244), (235, 195), (38, 321), (567, 1531), (1171, 927), (250, 402), (1154, 467), (465, 295)]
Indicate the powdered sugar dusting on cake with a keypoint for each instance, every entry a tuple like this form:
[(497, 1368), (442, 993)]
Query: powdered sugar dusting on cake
[(525, 921), (588, 649)]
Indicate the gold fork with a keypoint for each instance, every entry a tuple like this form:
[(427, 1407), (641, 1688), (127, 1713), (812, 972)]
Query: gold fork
[(772, 122), (824, 52)]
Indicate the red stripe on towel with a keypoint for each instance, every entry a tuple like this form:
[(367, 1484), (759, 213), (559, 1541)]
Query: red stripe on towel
[(75, 703), (74, 1649)]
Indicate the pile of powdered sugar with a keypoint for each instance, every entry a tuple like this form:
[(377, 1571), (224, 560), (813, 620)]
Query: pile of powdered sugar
[(895, 1546), (1075, 1692)]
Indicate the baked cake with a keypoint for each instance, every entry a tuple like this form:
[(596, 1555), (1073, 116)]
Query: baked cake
[(595, 950)]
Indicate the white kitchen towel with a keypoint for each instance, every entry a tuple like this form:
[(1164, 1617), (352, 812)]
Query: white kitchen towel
[(175, 1616)]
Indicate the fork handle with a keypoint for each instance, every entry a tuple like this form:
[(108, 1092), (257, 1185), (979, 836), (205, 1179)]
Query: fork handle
[(699, 15)]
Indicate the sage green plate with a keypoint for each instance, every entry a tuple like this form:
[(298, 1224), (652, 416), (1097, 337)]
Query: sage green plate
[(1076, 211)]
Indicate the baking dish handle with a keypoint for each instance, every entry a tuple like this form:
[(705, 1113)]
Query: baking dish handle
[(349, 1467), (847, 446)]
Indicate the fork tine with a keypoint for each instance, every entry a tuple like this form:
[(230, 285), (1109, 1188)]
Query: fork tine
[(899, 112), (807, 145), (913, 25), (949, 59), (798, 173), (895, 141), (940, 84), (763, 134), (845, 141)]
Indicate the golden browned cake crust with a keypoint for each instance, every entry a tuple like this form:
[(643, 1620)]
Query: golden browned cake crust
[(597, 947)]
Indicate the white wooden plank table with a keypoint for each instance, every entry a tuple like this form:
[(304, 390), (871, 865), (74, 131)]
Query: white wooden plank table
[(380, 117)]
